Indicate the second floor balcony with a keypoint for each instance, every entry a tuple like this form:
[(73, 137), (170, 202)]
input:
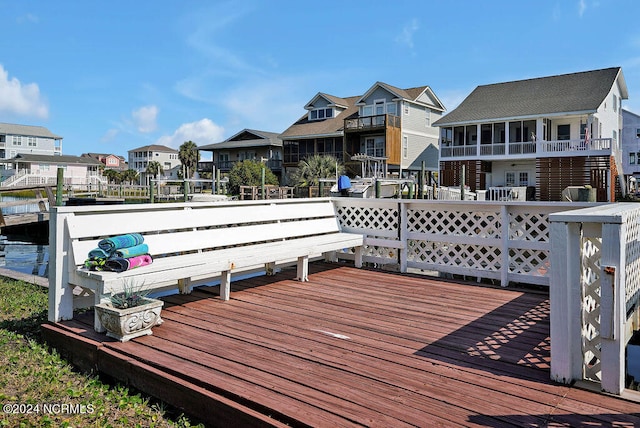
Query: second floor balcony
[(529, 149), (370, 123)]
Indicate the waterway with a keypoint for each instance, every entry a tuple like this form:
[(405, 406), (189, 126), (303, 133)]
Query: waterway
[(22, 256)]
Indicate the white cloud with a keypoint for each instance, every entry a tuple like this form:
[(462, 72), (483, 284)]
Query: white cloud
[(145, 118), (110, 135), (21, 99), (582, 7), (406, 36), (202, 132)]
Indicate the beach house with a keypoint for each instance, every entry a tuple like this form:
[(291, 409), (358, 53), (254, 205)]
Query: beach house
[(546, 134)]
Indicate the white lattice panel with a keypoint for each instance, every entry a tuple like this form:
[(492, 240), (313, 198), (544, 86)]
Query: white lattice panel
[(529, 262), (533, 226), (632, 265), (370, 218), (458, 255), (590, 280), (454, 222)]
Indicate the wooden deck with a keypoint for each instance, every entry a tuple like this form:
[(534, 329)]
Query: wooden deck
[(351, 347)]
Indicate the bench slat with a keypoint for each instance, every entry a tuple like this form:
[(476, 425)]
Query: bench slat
[(83, 225), (176, 242)]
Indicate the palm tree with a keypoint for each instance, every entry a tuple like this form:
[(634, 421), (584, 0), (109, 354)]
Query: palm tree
[(154, 168), (316, 167), (130, 175), (189, 156), (112, 175)]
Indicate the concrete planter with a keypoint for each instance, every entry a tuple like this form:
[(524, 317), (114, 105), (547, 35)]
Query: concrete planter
[(125, 324)]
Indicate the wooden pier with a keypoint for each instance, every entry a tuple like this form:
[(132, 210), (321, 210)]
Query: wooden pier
[(351, 347)]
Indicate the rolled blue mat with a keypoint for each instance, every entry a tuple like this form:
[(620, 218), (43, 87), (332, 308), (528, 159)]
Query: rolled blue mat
[(127, 252), (120, 241)]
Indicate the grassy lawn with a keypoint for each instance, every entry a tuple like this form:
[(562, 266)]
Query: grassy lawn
[(35, 379)]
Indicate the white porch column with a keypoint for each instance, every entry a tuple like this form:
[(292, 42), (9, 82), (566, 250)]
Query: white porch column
[(506, 138)]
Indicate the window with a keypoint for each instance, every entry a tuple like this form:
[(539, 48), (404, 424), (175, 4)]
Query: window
[(637, 133), (509, 179), (405, 147), (406, 109), (524, 178), (615, 136), (615, 103), (427, 117), (632, 158), (31, 141), (391, 109), (446, 136), (17, 140), (2, 138), (564, 132), (320, 113), (367, 111)]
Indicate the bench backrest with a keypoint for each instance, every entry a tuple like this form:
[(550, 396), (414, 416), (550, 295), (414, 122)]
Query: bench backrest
[(183, 228)]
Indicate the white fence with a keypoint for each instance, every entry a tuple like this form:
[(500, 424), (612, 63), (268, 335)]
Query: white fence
[(505, 241), (594, 293)]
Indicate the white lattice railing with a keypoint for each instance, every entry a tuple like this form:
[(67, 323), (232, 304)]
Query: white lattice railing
[(595, 293), (505, 241)]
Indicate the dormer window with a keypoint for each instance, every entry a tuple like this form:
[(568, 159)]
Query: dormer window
[(320, 113)]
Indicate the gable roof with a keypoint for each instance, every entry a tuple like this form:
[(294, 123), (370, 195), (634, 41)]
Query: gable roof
[(154, 148), (581, 92), (410, 94), (27, 130), (305, 128), (332, 101), (246, 138)]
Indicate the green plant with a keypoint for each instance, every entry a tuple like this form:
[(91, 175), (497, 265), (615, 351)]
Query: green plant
[(132, 295)]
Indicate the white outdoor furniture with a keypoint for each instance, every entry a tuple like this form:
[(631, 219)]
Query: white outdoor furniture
[(190, 243)]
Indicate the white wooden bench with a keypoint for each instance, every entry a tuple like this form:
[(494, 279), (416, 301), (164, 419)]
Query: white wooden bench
[(191, 244)]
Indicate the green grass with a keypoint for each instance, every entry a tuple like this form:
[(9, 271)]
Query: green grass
[(34, 376)]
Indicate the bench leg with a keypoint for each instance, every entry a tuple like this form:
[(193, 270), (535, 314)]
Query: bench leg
[(97, 325), (358, 255), (225, 285), (270, 268), (303, 268), (184, 285)]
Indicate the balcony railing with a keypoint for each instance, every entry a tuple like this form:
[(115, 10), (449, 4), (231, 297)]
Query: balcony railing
[(371, 122), (539, 148)]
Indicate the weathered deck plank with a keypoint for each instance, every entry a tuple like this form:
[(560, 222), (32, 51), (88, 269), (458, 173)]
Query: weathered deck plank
[(355, 347)]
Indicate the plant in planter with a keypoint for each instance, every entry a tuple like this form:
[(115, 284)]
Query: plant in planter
[(130, 313)]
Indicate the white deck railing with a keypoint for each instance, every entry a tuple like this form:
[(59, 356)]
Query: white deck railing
[(504, 241), (578, 147), (594, 293)]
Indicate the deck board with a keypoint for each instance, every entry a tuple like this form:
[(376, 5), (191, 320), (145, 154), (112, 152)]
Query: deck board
[(358, 347)]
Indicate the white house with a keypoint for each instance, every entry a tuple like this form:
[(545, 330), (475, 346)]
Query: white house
[(631, 148), (545, 133), (28, 169), (167, 157)]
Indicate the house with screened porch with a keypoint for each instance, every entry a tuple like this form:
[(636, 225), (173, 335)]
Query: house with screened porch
[(545, 134), (390, 124)]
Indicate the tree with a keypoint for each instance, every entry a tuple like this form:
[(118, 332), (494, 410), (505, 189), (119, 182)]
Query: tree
[(316, 167), (130, 175), (154, 168), (249, 173), (189, 156), (112, 175)]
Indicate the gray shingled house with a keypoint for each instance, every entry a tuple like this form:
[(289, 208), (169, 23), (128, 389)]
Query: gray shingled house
[(386, 122), (545, 133)]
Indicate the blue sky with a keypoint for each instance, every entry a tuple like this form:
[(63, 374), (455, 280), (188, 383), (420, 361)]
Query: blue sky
[(111, 76)]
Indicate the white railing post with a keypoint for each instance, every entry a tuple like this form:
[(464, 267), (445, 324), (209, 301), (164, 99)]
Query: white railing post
[(612, 308), (504, 250), (404, 248), (566, 302), (60, 292)]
